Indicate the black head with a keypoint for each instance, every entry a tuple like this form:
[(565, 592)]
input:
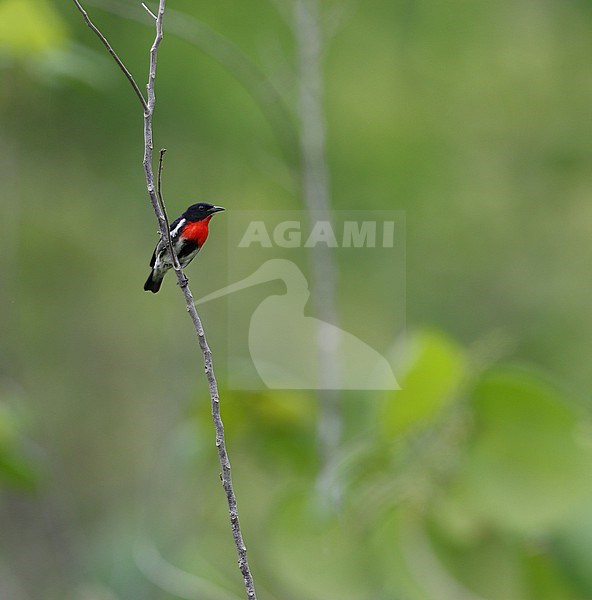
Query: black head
[(201, 210)]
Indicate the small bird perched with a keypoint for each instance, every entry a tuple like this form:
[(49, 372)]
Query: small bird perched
[(188, 234)]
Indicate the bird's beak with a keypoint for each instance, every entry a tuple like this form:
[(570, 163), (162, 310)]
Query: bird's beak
[(215, 209)]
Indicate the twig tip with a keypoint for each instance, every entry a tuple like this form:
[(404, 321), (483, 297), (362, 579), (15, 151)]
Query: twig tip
[(149, 12)]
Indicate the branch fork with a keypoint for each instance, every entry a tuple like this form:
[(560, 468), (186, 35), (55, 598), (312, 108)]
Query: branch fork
[(155, 194)]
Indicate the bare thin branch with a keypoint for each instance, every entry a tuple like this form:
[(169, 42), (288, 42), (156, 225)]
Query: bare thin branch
[(159, 178), (232, 58), (112, 52), (159, 211), (149, 11), (159, 187), (162, 205), (199, 330)]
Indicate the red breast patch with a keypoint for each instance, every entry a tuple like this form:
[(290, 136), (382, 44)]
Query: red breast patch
[(197, 231)]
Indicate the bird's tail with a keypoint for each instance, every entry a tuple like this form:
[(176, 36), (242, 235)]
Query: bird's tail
[(153, 282)]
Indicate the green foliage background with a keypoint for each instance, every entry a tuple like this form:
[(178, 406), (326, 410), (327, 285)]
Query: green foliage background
[(473, 482)]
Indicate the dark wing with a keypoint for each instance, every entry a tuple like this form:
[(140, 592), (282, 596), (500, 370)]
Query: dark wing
[(153, 259), (186, 249), (171, 228)]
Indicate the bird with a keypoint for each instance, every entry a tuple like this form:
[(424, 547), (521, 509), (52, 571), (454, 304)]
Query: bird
[(189, 233)]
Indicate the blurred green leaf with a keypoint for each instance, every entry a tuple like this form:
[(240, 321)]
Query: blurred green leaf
[(436, 367), (29, 27), (472, 565), (8, 426), (16, 469), (525, 468), (546, 579), (524, 570), (391, 548), (572, 545), (316, 556), (75, 62)]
